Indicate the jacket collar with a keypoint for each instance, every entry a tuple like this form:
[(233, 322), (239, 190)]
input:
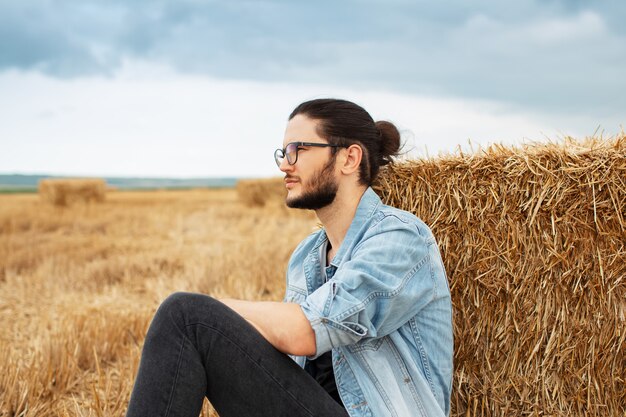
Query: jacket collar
[(367, 206)]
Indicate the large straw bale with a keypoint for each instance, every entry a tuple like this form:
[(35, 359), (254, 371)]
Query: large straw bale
[(261, 192), (61, 192), (534, 243)]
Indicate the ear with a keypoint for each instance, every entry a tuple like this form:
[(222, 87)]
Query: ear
[(351, 160)]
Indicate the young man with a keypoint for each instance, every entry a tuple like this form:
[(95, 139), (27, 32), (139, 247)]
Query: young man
[(367, 312)]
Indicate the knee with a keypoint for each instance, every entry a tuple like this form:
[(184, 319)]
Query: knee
[(180, 312), (170, 318), (183, 306), (177, 303)]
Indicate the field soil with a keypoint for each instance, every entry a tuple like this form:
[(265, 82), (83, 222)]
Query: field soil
[(79, 285)]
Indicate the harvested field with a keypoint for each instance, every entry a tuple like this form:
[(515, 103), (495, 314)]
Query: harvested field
[(79, 284)]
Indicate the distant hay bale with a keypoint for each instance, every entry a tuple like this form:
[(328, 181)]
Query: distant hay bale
[(534, 243), (62, 192), (261, 192)]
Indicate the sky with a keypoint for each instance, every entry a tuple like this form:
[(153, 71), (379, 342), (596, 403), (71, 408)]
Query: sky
[(203, 88)]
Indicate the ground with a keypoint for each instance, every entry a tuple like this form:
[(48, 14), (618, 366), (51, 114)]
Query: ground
[(79, 284)]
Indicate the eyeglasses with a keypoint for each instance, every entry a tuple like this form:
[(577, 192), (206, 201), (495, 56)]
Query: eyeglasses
[(291, 151)]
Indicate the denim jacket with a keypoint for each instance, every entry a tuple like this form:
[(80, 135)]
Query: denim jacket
[(385, 312)]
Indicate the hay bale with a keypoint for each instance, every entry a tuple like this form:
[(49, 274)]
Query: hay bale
[(61, 192), (534, 243), (261, 192)]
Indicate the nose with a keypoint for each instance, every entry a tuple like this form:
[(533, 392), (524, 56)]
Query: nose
[(284, 166)]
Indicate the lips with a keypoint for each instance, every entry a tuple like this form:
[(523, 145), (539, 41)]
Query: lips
[(290, 182)]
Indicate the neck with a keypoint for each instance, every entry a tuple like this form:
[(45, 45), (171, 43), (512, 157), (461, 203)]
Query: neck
[(337, 216)]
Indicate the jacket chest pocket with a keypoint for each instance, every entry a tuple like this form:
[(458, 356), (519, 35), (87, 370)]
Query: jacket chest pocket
[(369, 344)]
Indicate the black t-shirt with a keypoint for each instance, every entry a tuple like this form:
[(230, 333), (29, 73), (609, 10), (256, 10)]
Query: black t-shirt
[(322, 370)]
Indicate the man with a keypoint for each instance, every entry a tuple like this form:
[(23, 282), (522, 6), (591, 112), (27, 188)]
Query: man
[(367, 311)]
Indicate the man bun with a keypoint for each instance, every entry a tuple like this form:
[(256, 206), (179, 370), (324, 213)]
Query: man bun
[(389, 141)]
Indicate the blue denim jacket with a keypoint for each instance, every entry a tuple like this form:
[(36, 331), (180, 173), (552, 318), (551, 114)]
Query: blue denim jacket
[(385, 312)]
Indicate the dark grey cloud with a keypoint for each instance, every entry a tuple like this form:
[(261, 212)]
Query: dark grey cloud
[(562, 56)]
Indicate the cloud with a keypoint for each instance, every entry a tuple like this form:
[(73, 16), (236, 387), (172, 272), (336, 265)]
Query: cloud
[(560, 56), (587, 25), (560, 63), (146, 120)]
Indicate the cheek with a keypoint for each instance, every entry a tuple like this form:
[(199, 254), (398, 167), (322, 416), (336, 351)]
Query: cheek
[(312, 179)]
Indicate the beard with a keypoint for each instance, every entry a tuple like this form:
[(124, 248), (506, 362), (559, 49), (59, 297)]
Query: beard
[(321, 191)]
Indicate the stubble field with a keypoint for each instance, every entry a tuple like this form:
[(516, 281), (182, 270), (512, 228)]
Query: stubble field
[(79, 285)]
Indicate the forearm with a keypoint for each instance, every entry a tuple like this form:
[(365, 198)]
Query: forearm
[(284, 325)]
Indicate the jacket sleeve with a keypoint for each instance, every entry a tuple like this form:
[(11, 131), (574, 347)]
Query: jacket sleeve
[(386, 281)]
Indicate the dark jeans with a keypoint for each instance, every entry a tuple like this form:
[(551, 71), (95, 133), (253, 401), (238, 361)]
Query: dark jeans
[(197, 347)]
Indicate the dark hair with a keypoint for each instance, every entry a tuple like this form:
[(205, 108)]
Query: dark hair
[(345, 123)]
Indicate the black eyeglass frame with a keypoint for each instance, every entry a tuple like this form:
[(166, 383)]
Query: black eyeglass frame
[(280, 154)]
